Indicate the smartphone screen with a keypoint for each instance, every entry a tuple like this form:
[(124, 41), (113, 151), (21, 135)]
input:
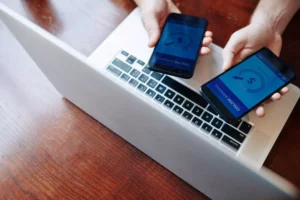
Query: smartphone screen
[(246, 85), (177, 50)]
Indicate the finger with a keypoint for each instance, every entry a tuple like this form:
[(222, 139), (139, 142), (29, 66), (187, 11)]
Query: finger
[(276, 97), (208, 34), (207, 41), (151, 24), (240, 56), (205, 51), (260, 111), (284, 90), (234, 45), (172, 7)]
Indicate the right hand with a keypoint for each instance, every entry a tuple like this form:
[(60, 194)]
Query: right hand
[(247, 41), (154, 15)]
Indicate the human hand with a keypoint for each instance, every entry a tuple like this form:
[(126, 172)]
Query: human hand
[(154, 14), (247, 41)]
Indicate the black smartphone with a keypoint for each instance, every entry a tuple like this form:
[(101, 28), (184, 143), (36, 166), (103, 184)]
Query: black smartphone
[(177, 50), (246, 85)]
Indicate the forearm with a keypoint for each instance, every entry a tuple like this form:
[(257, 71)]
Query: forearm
[(275, 13)]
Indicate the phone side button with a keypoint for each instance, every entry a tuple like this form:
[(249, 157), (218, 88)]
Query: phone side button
[(231, 143)]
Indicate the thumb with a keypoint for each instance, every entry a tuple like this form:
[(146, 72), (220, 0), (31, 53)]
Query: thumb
[(233, 47), (151, 24)]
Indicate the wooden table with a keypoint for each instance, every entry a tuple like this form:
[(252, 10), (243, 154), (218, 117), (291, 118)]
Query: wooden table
[(50, 149)]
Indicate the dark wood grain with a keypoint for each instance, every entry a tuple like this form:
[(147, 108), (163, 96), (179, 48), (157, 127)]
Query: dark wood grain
[(50, 149)]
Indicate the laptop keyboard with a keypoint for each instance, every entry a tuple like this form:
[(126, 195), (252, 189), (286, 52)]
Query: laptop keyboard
[(181, 100)]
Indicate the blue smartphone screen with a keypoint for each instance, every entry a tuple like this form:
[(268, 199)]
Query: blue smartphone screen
[(179, 44), (245, 85)]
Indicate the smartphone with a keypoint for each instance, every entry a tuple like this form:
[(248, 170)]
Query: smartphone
[(177, 50), (246, 85)]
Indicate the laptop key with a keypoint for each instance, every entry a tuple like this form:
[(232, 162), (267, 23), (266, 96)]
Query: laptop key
[(197, 111), (120, 64), (160, 88), (152, 83), (188, 105), (236, 124), (216, 134), (210, 109), (169, 104), (186, 115), (143, 78), (207, 116), (142, 88), (178, 99), (178, 110), (124, 53), (217, 123), (140, 62), (146, 70), (125, 77), (135, 73), (131, 59), (170, 94), (231, 143), (184, 91), (207, 128), (133, 82), (197, 122), (150, 93), (245, 127), (157, 76), (159, 98), (114, 70), (234, 133)]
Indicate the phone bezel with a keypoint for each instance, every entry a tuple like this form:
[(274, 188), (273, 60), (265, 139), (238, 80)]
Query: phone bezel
[(221, 108), (169, 69)]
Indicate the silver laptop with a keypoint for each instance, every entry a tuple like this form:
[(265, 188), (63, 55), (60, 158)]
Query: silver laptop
[(163, 116)]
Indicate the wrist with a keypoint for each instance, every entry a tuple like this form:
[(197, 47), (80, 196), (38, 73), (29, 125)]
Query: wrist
[(276, 13), (268, 22)]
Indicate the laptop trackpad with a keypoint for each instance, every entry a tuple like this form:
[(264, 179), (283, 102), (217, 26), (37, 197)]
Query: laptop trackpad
[(255, 147)]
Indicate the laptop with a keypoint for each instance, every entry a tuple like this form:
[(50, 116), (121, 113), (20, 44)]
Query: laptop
[(163, 116)]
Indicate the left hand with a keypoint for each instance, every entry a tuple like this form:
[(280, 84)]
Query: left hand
[(247, 41), (154, 15)]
